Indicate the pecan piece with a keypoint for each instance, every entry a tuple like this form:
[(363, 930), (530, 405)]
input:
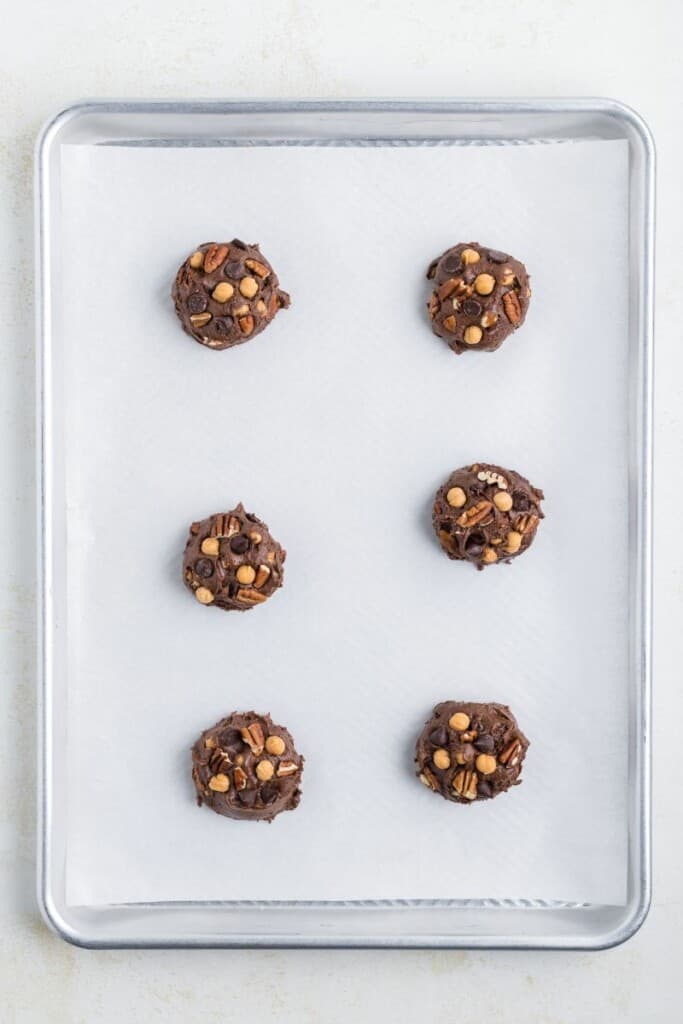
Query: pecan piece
[(254, 738), (512, 307), (249, 596), (214, 256), (427, 779), (240, 777), (511, 754), (287, 768), (453, 284), (526, 523), (257, 268), (246, 324), (433, 305), (262, 574), (465, 784), (474, 515)]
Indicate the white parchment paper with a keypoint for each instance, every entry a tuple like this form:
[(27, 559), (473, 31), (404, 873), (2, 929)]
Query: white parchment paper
[(337, 426)]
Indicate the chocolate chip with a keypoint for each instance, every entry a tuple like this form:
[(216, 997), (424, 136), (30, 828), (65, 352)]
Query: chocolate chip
[(197, 302), (204, 568), (439, 737), (269, 793), (497, 257), (247, 797), (451, 263), (239, 244), (520, 502), (484, 791), (222, 326), (233, 269), (231, 740), (445, 526), (471, 307), (239, 544), (474, 544), (485, 744)]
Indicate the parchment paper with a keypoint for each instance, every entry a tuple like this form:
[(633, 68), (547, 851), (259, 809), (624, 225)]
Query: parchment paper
[(337, 426)]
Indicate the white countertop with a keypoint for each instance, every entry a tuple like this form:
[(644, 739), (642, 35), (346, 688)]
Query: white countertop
[(51, 55)]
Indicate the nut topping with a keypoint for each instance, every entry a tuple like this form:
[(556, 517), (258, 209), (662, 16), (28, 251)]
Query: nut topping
[(486, 764), (513, 309), (246, 575), (474, 515), (503, 501), (203, 595), (257, 268), (450, 323), (210, 546), (240, 778), (197, 260), (200, 319), (214, 256), (484, 284), (254, 738), (246, 324), (465, 784), (287, 768), (262, 574)]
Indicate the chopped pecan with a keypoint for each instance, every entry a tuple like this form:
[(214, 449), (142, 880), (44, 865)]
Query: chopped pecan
[(214, 256), (258, 268), (254, 738), (474, 515), (240, 777), (287, 768), (511, 753), (433, 305), (512, 307), (250, 596), (465, 784), (428, 779), (453, 284), (262, 574), (526, 523)]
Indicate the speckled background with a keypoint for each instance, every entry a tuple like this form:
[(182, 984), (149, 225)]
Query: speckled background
[(51, 56)]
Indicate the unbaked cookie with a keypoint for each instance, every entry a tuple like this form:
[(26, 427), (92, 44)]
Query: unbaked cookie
[(232, 562), (247, 767), (470, 752), (226, 293), (480, 297), (485, 514)]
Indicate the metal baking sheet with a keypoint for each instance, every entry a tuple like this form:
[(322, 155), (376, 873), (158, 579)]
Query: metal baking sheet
[(523, 889)]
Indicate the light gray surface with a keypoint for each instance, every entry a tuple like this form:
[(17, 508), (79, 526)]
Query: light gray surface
[(172, 50)]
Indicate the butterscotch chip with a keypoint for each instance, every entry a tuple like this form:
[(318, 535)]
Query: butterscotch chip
[(275, 745), (498, 520), (233, 778), (456, 497), (210, 289), (488, 751), (488, 289), (459, 721), (216, 562)]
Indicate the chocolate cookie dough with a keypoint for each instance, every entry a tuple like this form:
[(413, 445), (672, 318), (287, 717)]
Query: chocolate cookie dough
[(227, 293), (231, 561), (247, 767), (484, 514), (480, 296), (470, 752)]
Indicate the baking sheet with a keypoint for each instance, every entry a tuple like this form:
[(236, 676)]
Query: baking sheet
[(336, 426)]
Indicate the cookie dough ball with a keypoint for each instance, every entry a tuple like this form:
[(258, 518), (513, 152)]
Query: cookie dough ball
[(485, 514), (480, 296), (247, 767), (470, 752), (232, 562), (227, 293)]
